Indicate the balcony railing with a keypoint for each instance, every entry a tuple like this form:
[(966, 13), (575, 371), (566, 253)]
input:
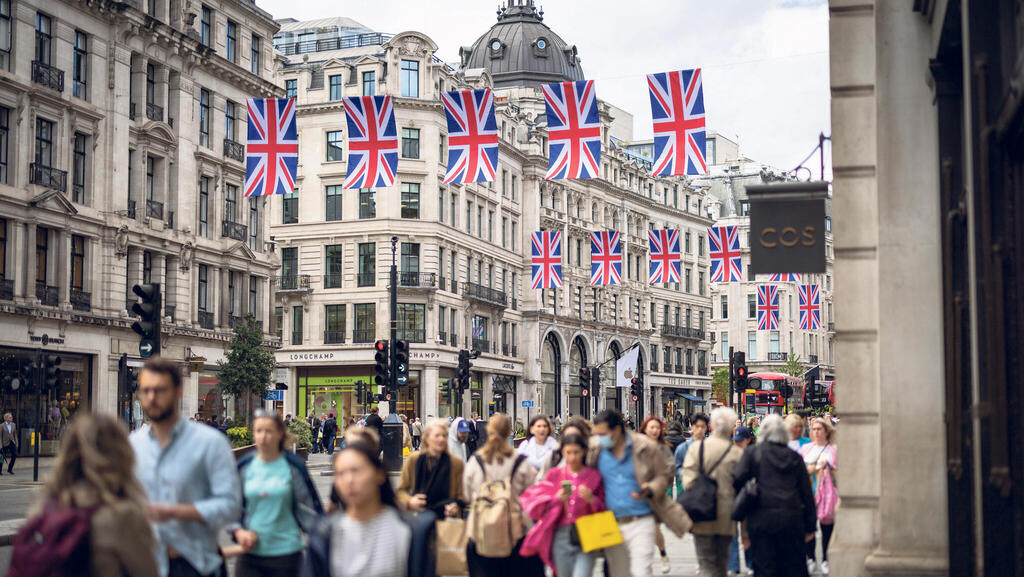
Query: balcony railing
[(332, 280), (80, 300), (48, 177), (364, 335), (234, 150), (413, 335), (455, 286), (353, 41), (504, 349), (515, 304), (442, 337), (426, 280), (654, 366), (689, 369), (515, 351), (295, 282), (831, 327), (49, 76), (47, 295), (366, 279), (682, 332), (234, 230), (206, 319), (486, 294), (482, 345), (154, 209), (169, 311), (778, 356), (7, 289), (702, 370), (813, 359), (235, 321), (154, 112), (296, 337), (679, 369), (334, 337), (442, 283), (453, 340)]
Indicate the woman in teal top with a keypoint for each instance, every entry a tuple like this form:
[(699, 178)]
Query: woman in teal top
[(279, 503)]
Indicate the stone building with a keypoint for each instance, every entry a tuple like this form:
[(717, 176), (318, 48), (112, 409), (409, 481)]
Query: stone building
[(120, 163), (463, 251)]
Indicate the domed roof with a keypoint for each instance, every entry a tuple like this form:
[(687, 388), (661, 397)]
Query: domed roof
[(520, 50)]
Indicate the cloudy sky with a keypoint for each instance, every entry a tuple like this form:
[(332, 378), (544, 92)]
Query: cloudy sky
[(765, 61)]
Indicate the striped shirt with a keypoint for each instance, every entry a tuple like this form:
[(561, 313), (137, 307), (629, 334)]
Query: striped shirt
[(375, 548)]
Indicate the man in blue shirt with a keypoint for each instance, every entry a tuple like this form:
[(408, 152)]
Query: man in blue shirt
[(189, 474), (698, 431)]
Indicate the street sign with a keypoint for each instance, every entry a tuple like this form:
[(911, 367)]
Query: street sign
[(527, 404), (787, 227), (273, 395), (403, 379), (146, 347)]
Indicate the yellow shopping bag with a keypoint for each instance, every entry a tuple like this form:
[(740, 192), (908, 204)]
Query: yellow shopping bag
[(598, 531), (405, 451)]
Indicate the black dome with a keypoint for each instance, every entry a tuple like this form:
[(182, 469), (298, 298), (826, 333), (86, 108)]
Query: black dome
[(520, 50)]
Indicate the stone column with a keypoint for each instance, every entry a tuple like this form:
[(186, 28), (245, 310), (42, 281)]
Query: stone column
[(60, 270), (24, 284), (94, 262), (138, 87), (429, 380)]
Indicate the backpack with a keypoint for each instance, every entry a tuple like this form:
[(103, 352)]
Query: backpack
[(53, 544), (701, 500), (495, 517)]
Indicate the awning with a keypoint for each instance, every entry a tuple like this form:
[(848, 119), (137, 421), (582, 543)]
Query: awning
[(692, 398)]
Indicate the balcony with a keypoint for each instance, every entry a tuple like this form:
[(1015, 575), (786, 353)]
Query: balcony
[(334, 337), (366, 279), (778, 356), (486, 294), (504, 350), (7, 289), (679, 369), (295, 282), (813, 359), (339, 43), (689, 370), (682, 332), (154, 209), (206, 320), (80, 300), (332, 281), (48, 76), (234, 321), (455, 286), (154, 112), (515, 351), (453, 340), (482, 345), (234, 230), (424, 280), (48, 177), (713, 337), (702, 370), (364, 335), (442, 337), (296, 337), (412, 335), (169, 311), (654, 366), (515, 304), (234, 150), (47, 295)]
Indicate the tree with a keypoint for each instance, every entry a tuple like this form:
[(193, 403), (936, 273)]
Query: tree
[(720, 386), (249, 365), (794, 366)]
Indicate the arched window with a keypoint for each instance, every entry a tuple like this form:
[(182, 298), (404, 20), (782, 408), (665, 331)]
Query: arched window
[(578, 404), (612, 400), (551, 375)]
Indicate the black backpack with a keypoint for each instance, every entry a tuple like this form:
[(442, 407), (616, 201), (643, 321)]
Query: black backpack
[(701, 500)]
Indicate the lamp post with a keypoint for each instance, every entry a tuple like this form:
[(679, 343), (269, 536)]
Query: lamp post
[(392, 441)]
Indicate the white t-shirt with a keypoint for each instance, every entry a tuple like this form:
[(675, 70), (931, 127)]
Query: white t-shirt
[(375, 548), (536, 453)]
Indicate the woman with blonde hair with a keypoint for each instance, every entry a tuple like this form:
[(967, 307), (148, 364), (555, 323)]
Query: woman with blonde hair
[(820, 458), (94, 471), (431, 478)]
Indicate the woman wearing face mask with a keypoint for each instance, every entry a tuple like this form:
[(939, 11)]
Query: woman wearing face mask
[(279, 503), (539, 444), (567, 493), (431, 478)]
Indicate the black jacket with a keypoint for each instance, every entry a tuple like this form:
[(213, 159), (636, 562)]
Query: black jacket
[(306, 505), (420, 564), (786, 502), (375, 422), (330, 427)]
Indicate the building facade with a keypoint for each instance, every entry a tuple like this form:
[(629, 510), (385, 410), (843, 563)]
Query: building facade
[(121, 125), (463, 251)]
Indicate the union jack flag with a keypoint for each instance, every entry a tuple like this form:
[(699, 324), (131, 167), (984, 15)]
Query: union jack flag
[(726, 261), (271, 147), (605, 257), (665, 255), (547, 259), (784, 277), (677, 105), (767, 308), (372, 142), (472, 136), (574, 130), (810, 307)]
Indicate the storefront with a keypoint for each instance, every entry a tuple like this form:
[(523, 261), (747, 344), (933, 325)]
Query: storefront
[(335, 390), (685, 401)]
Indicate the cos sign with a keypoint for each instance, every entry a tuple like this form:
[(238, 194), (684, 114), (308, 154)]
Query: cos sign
[(787, 227)]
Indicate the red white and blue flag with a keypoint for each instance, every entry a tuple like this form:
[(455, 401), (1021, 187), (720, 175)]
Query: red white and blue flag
[(810, 307), (271, 147), (784, 277), (472, 136), (546, 259), (677, 105), (372, 142), (605, 257), (767, 308), (726, 259), (574, 130), (665, 255)]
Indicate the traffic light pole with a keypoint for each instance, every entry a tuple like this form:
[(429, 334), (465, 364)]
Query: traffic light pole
[(732, 372), (35, 432), (391, 443)]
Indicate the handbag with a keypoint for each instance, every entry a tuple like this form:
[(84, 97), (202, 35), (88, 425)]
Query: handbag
[(450, 547), (598, 531), (749, 498), (701, 500)]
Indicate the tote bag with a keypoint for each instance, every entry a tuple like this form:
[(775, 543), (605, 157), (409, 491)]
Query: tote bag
[(451, 547), (598, 531)]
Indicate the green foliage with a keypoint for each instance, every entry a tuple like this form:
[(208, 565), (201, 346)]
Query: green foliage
[(249, 365), (720, 385), (299, 429), (794, 366), (239, 436)]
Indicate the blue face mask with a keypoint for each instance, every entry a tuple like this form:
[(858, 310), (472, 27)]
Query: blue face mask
[(605, 441)]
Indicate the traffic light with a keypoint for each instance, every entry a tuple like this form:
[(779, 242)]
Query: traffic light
[(402, 362), (28, 376), (381, 371), (51, 372), (739, 361), (148, 311), (462, 373), (635, 388), (595, 382), (585, 380)]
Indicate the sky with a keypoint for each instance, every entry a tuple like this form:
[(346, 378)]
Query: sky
[(765, 62)]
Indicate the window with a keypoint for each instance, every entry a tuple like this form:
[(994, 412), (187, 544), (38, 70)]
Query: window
[(151, 8), (334, 324), (700, 321), (290, 264), (290, 208), (78, 169), (725, 307), (410, 79), (469, 217), (751, 306), (751, 345), (410, 257), (412, 322), (150, 177), (230, 121), (490, 226), (206, 27), (201, 298), (687, 242), (204, 206), (147, 266), (253, 301), (440, 205), (410, 200), (150, 84), (231, 202), (3, 248), (255, 54), (333, 208), (410, 143), (453, 201), (513, 236), (204, 117), (369, 83), (44, 142), (333, 255), (367, 203), (367, 264), (231, 293), (77, 262), (687, 279), (5, 114), (297, 325), (80, 66), (725, 345), (291, 87), (232, 41), (700, 245), (773, 341), (700, 283), (334, 145), (480, 221), (5, 34), (366, 322), (44, 43), (504, 232), (278, 320), (335, 83), (254, 225)]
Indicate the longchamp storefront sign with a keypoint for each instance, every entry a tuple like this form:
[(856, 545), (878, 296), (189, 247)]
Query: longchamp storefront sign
[(787, 227)]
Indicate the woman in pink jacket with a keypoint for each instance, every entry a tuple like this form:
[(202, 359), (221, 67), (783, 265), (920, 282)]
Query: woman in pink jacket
[(567, 493)]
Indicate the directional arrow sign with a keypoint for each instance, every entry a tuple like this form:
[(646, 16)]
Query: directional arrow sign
[(401, 368), (146, 347), (403, 380)]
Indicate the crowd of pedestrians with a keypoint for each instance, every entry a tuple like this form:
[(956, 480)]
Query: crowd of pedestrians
[(155, 504)]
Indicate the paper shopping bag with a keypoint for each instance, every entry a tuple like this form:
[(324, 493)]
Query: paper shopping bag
[(451, 547), (598, 531)]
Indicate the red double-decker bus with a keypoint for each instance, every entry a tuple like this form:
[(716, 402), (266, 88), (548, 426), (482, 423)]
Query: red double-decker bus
[(768, 389)]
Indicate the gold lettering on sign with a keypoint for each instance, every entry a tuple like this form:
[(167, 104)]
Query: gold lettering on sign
[(764, 233), (788, 242), (789, 237)]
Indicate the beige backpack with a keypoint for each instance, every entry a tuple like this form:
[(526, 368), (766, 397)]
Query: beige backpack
[(495, 517)]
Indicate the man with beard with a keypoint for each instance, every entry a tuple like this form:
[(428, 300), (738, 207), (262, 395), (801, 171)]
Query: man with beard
[(189, 474)]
